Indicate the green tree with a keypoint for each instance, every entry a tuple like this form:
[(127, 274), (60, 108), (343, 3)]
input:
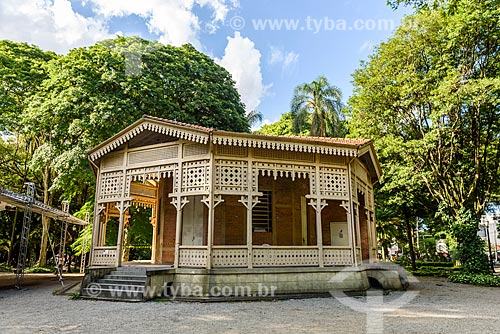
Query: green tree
[(435, 87), (319, 104), (282, 127), (94, 92), (21, 73), (253, 117)]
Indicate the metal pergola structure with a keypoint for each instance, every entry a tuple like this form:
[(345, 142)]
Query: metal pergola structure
[(30, 205), (12, 198)]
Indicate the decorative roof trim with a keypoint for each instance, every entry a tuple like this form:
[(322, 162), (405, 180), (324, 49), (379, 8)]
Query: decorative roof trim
[(285, 146), (182, 133)]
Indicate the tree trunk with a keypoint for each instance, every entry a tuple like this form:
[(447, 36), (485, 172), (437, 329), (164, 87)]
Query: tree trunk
[(409, 233), (45, 220), (12, 237)]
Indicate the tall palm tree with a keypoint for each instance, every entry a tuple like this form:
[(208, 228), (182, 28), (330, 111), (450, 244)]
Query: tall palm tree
[(319, 104), (254, 116)]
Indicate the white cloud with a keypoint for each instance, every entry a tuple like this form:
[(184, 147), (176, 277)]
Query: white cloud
[(367, 47), (291, 58), (172, 20), (242, 60), (287, 59), (52, 25)]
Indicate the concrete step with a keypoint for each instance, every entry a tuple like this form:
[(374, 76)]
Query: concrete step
[(119, 273), (124, 284), (129, 269), (113, 294), (126, 277), (121, 281), (122, 287)]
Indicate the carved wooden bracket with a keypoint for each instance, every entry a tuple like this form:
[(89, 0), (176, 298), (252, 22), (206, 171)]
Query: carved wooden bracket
[(318, 204), (179, 204), (346, 206), (217, 200), (123, 208), (249, 203)]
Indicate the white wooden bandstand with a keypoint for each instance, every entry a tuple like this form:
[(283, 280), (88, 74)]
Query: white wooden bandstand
[(226, 203)]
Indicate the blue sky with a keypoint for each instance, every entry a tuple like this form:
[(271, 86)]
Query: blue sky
[(268, 46)]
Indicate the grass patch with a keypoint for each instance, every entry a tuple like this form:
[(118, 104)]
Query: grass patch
[(435, 271), (475, 279), (40, 270), (6, 268)]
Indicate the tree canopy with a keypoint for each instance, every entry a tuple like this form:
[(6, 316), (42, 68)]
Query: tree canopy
[(431, 92), (61, 106)]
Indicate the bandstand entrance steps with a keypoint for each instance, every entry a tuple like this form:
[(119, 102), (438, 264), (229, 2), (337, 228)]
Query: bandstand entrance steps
[(122, 284)]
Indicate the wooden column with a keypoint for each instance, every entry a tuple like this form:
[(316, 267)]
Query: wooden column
[(211, 208), (250, 182), (177, 201), (350, 217), (320, 204), (97, 221), (357, 237), (122, 206), (154, 222)]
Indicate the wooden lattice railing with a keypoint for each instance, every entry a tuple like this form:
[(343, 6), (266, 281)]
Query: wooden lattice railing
[(104, 256), (264, 256)]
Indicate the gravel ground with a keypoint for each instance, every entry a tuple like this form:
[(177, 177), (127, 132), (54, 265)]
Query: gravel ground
[(437, 307)]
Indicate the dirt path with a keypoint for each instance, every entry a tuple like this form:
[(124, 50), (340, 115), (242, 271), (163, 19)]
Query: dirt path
[(437, 307)]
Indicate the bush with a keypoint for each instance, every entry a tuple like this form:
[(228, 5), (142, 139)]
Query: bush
[(476, 279), (470, 248)]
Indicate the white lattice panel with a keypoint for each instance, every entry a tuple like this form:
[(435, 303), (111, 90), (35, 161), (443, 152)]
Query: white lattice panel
[(282, 170), (286, 257), (192, 257), (104, 256), (230, 257), (332, 159), (337, 257), (195, 149), (195, 176), (111, 185), (157, 154), (153, 173), (333, 182), (362, 188), (231, 176), (112, 160), (369, 196), (236, 151), (283, 155)]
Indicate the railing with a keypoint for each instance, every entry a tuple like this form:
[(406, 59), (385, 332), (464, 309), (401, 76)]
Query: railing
[(229, 256), (264, 256), (278, 256), (104, 256), (193, 256), (337, 256)]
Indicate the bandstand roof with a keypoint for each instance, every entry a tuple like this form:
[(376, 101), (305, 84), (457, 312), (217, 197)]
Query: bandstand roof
[(151, 130)]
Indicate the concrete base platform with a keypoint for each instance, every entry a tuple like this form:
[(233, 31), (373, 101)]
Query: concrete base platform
[(259, 283)]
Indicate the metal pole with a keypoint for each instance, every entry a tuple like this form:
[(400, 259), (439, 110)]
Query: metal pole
[(25, 233), (84, 244), (64, 230)]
